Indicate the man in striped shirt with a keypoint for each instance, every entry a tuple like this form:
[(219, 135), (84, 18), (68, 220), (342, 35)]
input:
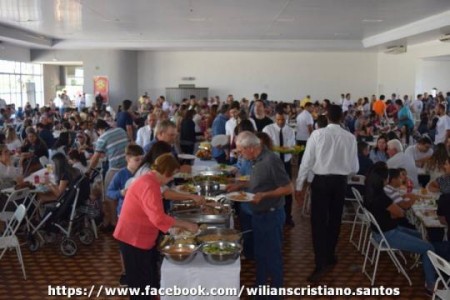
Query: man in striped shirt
[(111, 143)]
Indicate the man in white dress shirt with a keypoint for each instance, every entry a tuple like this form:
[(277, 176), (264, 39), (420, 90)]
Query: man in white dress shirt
[(347, 102), (283, 136), (230, 125), (331, 155), (417, 107), (442, 126), (305, 124), (147, 133), (421, 151)]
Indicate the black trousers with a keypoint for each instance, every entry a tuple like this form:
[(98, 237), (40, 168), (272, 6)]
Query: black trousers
[(327, 202), (188, 149), (140, 268), (288, 198)]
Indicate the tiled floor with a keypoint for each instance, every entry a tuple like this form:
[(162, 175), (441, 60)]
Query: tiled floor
[(99, 264)]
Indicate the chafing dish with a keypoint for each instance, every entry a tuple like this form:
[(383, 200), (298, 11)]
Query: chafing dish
[(221, 253), (207, 188), (180, 254), (219, 234)]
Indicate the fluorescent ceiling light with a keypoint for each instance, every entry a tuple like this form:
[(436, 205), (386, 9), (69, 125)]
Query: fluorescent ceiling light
[(372, 20)]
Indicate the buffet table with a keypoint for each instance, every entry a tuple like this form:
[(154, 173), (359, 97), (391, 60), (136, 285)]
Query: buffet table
[(200, 273)]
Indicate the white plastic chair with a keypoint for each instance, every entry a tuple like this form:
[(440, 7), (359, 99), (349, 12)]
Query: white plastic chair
[(352, 180), (359, 220), (441, 266), (44, 161), (6, 215), (378, 247), (9, 239)]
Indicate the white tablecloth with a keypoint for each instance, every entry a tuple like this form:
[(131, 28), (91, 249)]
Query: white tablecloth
[(200, 273), (41, 174)]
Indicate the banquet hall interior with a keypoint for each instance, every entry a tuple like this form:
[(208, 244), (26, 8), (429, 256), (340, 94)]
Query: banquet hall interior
[(288, 50)]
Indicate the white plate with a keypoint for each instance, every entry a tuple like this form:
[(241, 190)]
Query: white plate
[(187, 156), (248, 196), (226, 168), (179, 188), (182, 175), (220, 140)]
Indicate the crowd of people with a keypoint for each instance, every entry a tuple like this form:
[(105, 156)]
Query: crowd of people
[(141, 141)]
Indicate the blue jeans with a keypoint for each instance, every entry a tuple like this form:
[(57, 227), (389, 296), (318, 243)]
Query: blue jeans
[(410, 240), (267, 237)]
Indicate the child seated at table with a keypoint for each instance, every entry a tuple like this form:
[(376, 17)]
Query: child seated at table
[(9, 174), (393, 190)]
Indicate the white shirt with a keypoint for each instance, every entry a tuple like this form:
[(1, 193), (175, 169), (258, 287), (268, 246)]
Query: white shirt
[(197, 121), (345, 104), (166, 106), (303, 120), (143, 135), (2, 103), (231, 124), (330, 150), (66, 101), (401, 160), (442, 126), (78, 165), (14, 145), (229, 128), (415, 154), (417, 106), (273, 130)]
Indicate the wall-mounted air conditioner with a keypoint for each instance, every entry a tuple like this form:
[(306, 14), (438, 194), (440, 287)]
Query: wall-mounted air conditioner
[(445, 38), (395, 49)]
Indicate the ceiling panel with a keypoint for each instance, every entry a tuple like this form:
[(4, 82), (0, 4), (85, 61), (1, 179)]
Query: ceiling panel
[(182, 20)]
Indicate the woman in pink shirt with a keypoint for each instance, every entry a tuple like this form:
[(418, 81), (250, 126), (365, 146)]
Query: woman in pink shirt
[(141, 218)]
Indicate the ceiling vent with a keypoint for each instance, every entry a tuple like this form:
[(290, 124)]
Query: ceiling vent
[(445, 38), (395, 49)]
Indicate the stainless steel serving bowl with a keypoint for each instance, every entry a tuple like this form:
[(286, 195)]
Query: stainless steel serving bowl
[(179, 254), (210, 173), (221, 253), (207, 188)]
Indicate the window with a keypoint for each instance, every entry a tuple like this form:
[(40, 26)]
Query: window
[(21, 83)]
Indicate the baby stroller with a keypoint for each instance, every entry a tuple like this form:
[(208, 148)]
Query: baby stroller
[(66, 217)]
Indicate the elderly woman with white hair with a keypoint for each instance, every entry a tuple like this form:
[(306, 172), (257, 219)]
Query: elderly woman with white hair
[(398, 159)]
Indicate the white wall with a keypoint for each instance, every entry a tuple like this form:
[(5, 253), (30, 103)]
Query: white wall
[(433, 74), (283, 75), (396, 74), (416, 71), (119, 66), (51, 81)]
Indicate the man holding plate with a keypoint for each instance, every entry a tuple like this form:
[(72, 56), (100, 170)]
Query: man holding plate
[(270, 183)]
